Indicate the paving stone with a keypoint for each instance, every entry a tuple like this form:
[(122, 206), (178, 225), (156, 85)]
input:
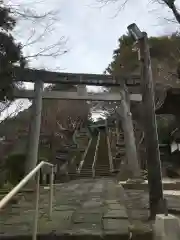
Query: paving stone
[(140, 227), (116, 214), (97, 189), (92, 204), (111, 201), (21, 229), (68, 202), (86, 228), (87, 218), (95, 198), (139, 214), (116, 206), (99, 210), (78, 208), (64, 208), (72, 187), (61, 220), (118, 225)]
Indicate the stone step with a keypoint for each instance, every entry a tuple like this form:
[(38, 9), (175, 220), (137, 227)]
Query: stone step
[(86, 167), (85, 175), (121, 149), (86, 170), (102, 174), (82, 134), (107, 171), (101, 169), (122, 144)]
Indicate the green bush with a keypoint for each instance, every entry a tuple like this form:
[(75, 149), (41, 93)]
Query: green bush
[(15, 167), (165, 124)]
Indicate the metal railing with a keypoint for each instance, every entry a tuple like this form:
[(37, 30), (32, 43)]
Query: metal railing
[(4, 201), (84, 156), (95, 156), (109, 151)]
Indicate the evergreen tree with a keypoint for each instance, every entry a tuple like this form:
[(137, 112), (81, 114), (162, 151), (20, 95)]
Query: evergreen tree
[(164, 53), (10, 52)]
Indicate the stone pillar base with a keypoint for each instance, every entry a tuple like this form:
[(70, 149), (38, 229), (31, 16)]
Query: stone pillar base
[(166, 227), (135, 180)]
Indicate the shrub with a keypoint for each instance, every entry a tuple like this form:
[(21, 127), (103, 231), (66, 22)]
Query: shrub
[(15, 167)]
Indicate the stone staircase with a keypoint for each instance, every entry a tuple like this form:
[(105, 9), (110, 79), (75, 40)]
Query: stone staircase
[(102, 171), (102, 168), (86, 170), (81, 138)]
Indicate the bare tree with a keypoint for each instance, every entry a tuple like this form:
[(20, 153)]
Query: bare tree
[(38, 31), (169, 3), (5, 109), (34, 30)]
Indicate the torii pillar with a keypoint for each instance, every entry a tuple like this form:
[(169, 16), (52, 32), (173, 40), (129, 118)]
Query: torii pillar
[(34, 129), (129, 138)]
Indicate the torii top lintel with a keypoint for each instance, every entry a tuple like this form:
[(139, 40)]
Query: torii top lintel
[(32, 75)]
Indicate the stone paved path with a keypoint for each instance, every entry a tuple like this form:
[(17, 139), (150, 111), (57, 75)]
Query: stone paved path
[(89, 206), (173, 201), (79, 207)]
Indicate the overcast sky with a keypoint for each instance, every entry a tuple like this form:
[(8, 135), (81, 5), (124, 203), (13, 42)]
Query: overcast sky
[(92, 30)]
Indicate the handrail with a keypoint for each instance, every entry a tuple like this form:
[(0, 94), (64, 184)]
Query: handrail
[(95, 156), (84, 155), (74, 137), (109, 151), (23, 182)]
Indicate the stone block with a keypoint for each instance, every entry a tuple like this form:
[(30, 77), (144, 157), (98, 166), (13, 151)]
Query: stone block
[(116, 214), (92, 204), (85, 228), (116, 206), (87, 218), (61, 220), (166, 227), (116, 225), (64, 208), (111, 202)]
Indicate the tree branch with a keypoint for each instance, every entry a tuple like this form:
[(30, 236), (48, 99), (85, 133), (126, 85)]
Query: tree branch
[(169, 3), (42, 25)]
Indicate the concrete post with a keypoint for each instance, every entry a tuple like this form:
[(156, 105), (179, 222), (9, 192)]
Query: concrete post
[(130, 144), (166, 227), (34, 131), (156, 198)]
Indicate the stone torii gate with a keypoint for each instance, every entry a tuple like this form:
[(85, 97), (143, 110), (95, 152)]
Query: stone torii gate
[(39, 77)]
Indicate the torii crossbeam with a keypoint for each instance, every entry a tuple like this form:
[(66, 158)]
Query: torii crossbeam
[(76, 96), (33, 75), (42, 76)]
